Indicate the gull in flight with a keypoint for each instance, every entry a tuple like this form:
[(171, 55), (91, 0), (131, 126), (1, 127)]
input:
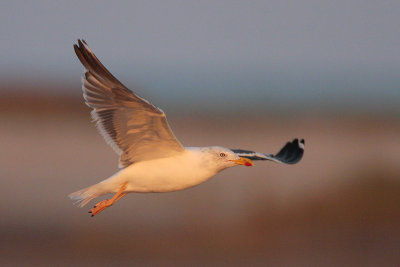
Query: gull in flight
[(151, 158)]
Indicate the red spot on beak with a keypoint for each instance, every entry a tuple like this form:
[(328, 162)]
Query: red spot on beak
[(248, 164)]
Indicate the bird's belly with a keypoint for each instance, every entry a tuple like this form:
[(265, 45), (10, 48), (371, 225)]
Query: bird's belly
[(163, 175)]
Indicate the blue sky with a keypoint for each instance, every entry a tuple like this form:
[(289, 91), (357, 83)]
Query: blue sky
[(248, 53)]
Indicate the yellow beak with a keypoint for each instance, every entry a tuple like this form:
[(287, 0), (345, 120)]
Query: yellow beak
[(243, 161)]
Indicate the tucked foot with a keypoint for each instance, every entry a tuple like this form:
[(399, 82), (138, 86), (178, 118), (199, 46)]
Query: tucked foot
[(102, 205), (99, 207)]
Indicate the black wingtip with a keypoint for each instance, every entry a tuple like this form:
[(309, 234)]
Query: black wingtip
[(80, 42), (292, 152)]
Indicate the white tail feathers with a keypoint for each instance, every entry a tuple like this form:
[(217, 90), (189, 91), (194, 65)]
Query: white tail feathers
[(85, 195)]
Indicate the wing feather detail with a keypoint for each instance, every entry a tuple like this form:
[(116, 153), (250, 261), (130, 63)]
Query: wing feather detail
[(133, 127), (291, 153)]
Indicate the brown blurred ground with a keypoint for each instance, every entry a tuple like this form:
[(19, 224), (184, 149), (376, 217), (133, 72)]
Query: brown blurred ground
[(339, 206)]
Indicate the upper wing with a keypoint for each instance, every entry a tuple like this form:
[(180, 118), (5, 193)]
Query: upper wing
[(134, 128), (291, 153)]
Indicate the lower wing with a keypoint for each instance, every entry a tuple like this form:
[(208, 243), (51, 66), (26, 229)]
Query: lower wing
[(291, 153)]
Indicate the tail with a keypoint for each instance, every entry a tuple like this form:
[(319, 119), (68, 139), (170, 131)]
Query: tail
[(85, 195)]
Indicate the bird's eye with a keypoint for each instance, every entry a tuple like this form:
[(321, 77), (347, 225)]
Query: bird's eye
[(222, 155)]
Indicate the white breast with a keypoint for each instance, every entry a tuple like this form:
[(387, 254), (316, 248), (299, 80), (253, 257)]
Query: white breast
[(166, 174)]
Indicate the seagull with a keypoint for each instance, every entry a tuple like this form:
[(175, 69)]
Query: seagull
[(151, 159)]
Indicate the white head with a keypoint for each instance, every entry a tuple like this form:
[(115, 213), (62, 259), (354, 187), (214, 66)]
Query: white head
[(223, 158)]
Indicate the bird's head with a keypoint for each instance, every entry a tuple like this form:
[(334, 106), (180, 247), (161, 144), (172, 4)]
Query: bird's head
[(224, 158)]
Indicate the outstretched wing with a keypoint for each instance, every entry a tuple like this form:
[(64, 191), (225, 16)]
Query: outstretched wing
[(291, 153), (134, 128)]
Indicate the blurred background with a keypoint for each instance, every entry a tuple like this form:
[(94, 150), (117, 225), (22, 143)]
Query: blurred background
[(249, 75)]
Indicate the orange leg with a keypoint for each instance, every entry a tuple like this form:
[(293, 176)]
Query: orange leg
[(102, 205)]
